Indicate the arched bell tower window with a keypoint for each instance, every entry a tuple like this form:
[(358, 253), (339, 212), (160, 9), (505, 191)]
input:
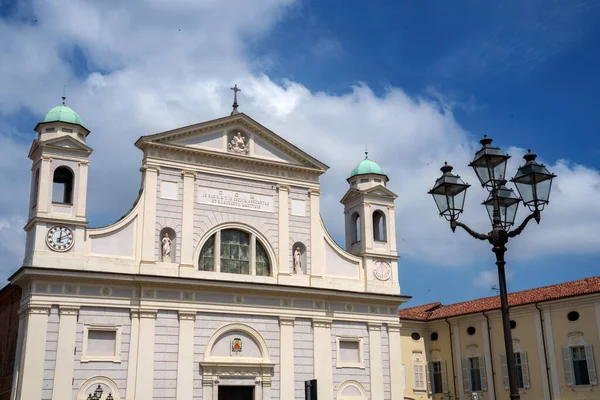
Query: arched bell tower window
[(355, 227), (379, 228), (234, 251), (62, 186)]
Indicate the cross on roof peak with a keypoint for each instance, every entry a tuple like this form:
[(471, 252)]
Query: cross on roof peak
[(235, 103)]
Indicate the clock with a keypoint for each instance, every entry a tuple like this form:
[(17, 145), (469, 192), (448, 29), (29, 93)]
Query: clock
[(60, 238)]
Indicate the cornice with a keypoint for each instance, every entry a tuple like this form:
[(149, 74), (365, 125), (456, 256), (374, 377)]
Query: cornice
[(54, 220)]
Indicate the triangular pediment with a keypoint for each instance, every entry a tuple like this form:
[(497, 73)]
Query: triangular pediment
[(376, 191), (237, 136), (60, 143)]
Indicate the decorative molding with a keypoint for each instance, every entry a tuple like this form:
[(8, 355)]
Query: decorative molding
[(187, 173), (187, 315), (373, 326), (68, 310), (148, 314), (286, 321), (35, 309), (321, 323), (314, 191), (394, 327), (285, 188)]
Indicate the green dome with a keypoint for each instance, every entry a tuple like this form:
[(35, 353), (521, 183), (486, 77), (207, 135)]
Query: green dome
[(367, 166), (63, 113)]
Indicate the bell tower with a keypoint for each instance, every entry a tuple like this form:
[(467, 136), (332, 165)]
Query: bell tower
[(369, 214), (57, 204)]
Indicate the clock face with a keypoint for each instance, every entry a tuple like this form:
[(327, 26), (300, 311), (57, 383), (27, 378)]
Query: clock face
[(60, 238)]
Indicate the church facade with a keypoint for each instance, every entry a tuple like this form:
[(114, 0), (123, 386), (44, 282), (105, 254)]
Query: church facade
[(221, 282)]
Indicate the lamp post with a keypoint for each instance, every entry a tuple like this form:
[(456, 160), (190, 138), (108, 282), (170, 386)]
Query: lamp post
[(533, 182)]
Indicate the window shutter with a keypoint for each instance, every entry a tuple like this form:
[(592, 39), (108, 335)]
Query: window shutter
[(444, 377), (504, 371), (466, 375), (566, 355), (429, 378), (415, 369), (589, 357), (525, 369), (482, 373)]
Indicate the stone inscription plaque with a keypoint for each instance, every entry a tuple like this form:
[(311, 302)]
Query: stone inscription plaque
[(229, 198)]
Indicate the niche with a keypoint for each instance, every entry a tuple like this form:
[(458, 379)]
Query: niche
[(299, 266), (167, 241)]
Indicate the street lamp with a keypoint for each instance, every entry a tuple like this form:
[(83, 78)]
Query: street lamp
[(97, 395), (533, 182)]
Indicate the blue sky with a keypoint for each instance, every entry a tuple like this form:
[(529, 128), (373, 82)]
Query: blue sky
[(419, 82)]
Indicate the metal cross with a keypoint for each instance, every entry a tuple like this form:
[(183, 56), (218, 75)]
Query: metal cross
[(235, 103)]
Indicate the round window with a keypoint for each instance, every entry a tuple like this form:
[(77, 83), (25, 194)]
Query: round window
[(415, 336), (471, 330), (573, 316), (513, 324), (434, 336)]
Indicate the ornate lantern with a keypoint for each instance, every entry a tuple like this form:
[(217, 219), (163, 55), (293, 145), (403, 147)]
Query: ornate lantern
[(449, 193), (506, 202), (489, 164), (533, 181)]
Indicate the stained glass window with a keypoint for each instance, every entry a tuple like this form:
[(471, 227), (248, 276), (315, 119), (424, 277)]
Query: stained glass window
[(207, 255), (235, 252)]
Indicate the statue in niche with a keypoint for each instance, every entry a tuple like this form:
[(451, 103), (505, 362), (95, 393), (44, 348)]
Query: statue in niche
[(166, 247), (298, 261), (238, 144)]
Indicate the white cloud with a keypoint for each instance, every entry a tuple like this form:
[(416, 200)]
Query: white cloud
[(488, 279), (161, 65)]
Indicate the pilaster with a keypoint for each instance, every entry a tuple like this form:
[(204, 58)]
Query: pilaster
[(284, 229), (317, 242), (187, 220), (149, 227), (395, 350), (18, 355), (82, 189), (375, 361), (541, 354), (63, 372), (488, 359), (457, 360), (132, 363), (551, 355), (391, 227), (145, 368), (322, 357), (43, 200), (34, 352), (286, 356), (367, 227), (185, 357)]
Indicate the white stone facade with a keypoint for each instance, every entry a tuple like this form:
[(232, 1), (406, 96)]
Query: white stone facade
[(221, 275)]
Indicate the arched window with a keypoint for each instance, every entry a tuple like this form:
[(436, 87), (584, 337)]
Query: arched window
[(379, 231), (62, 186), (234, 251), (355, 227)]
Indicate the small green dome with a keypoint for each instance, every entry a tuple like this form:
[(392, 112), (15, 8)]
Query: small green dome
[(63, 113), (367, 166)]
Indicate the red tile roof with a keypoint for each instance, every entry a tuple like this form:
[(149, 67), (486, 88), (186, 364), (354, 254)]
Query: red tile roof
[(428, 312)]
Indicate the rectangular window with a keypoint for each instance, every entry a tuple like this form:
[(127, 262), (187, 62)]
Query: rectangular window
[(419, 376), (437, 381), (519, 365), (580, 367), (475, 374), (349, 352), (67, 130), (101, 343)]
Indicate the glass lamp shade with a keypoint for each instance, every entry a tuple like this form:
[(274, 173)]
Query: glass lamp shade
[(98, 392), (533, 181), (489, 164), (449, 193), (507, 202)]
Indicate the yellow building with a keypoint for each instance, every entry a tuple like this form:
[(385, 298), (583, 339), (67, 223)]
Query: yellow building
[(457, 351)]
